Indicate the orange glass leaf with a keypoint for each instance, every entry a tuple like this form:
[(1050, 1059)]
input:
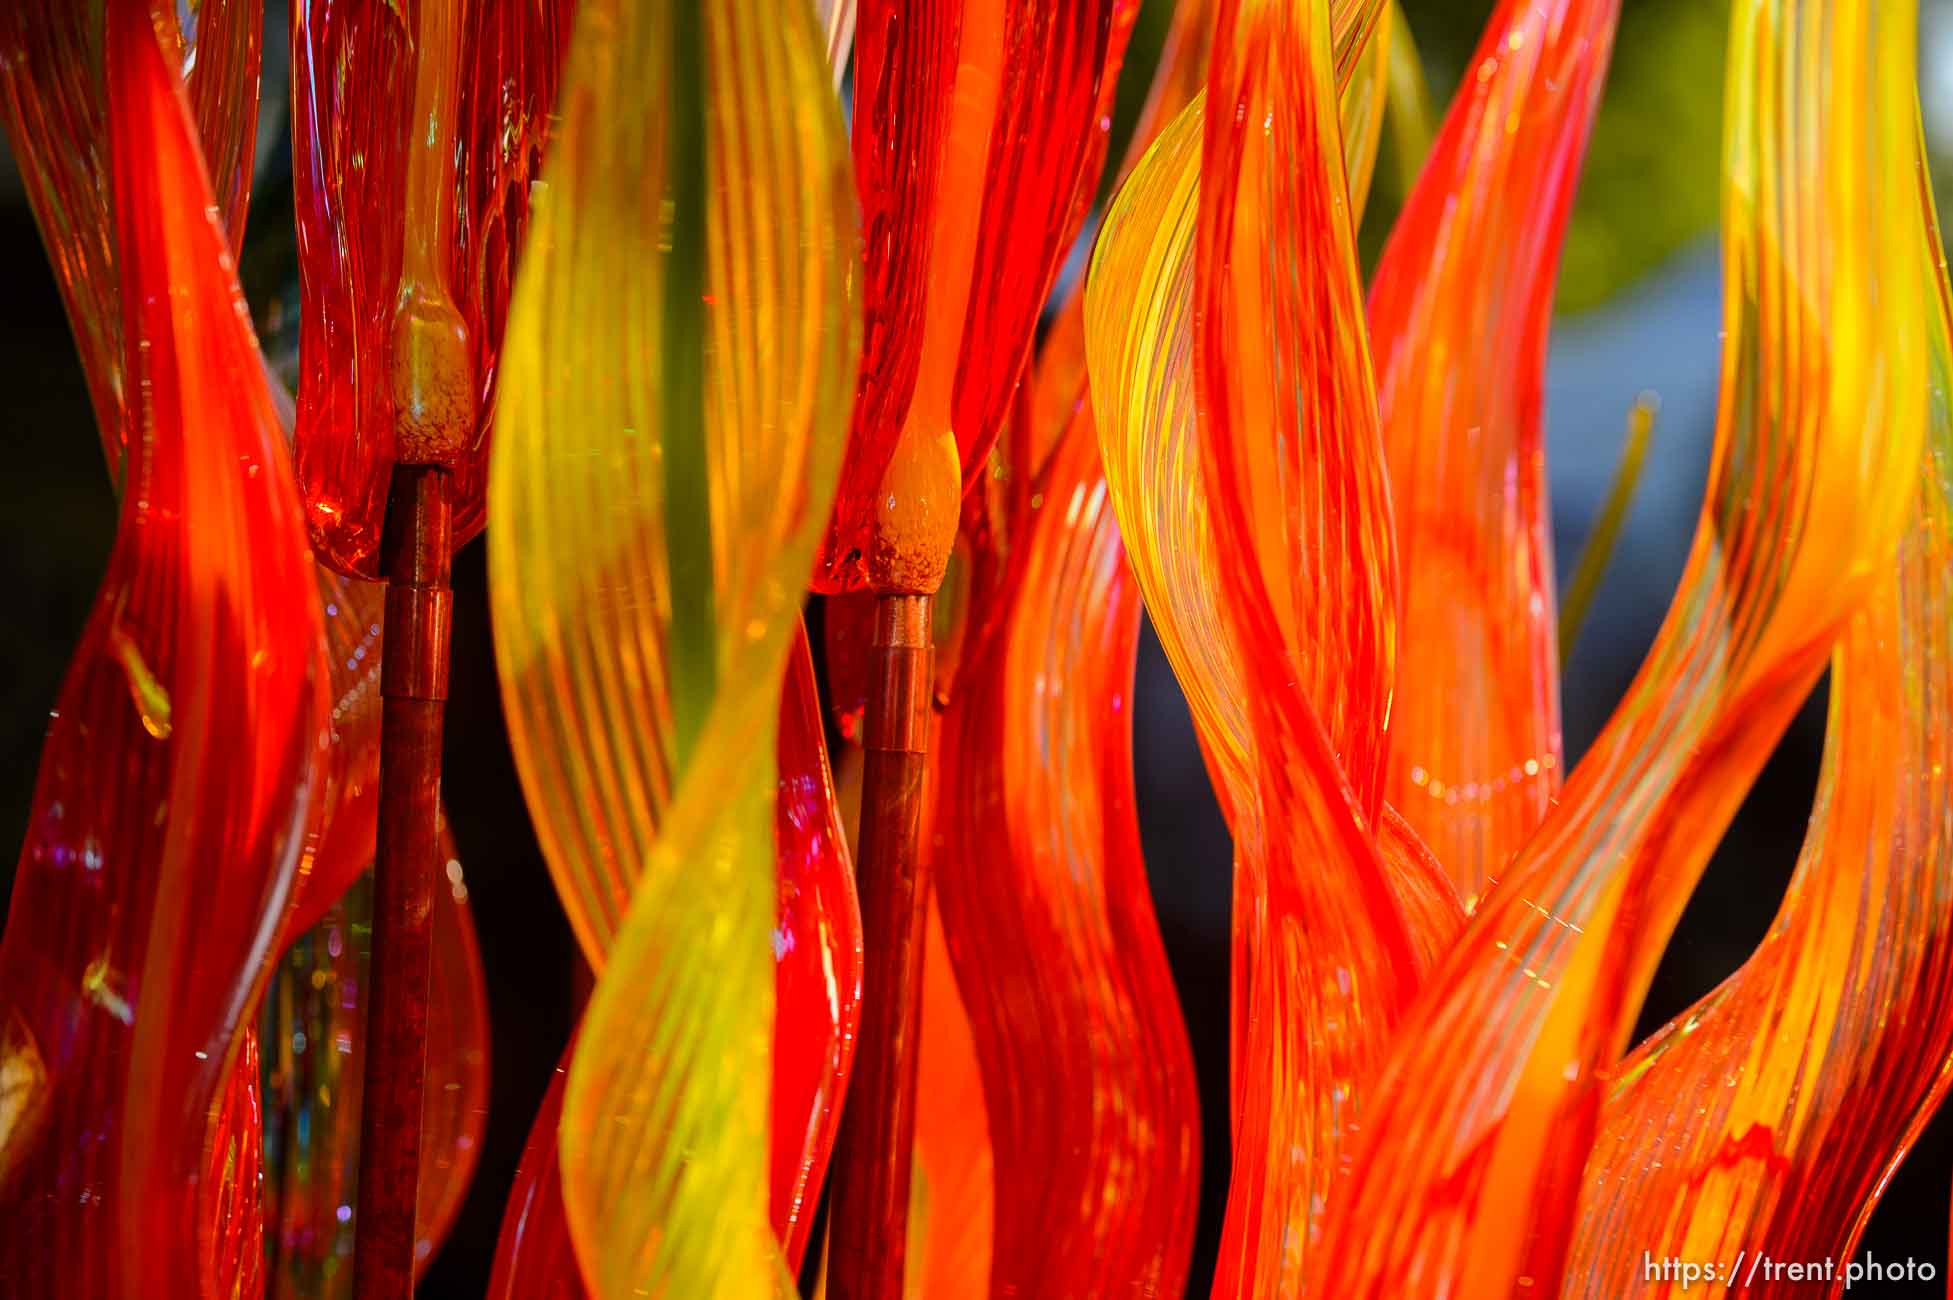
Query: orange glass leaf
[(352, 79), (1459, 312), (406, 256), (314, 1028), (54, 106), (905, 61), (56, 116), (1058, 381), (181, 768), (976, 129), (1139, 331), (953, 1196), (534, 1257), (350, 800), (1310, 1017), (219, 48), (1290, 449), (1467, 1175), (1098, 140), (230, 1194), (1767, 1118), (1182, 74), (1060, 63), (817, 960), (1087, 1075), (511, 67), (1139, 337), (1180, 78), (1429, 903), (1292, 464)]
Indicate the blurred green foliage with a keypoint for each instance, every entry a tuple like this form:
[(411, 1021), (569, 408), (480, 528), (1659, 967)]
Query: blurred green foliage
[(1652, 182)]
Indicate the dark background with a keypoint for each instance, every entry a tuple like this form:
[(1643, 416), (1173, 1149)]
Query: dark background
[(1639, 311)]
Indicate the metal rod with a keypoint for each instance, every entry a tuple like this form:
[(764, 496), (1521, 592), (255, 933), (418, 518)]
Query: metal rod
[(415, 553), (869, 1210)]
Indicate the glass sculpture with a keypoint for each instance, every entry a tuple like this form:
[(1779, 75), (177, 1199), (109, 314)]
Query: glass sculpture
[(729, 321)]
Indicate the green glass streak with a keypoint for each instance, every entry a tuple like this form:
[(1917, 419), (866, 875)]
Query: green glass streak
[(1599, 547), (688, 492), (1408, 102)]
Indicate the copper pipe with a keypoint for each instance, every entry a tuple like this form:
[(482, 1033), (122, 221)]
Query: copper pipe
[(869, 1208), (415, 553)]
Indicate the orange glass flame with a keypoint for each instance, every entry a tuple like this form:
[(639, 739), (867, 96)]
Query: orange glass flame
[(1765, 1120), (1493, 1093), (407, 250), (1459, 313), (976, 138), (179, 775), (56, 113), (1087, 1076)]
